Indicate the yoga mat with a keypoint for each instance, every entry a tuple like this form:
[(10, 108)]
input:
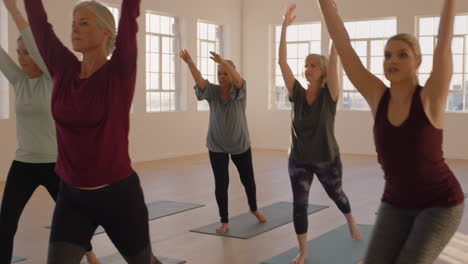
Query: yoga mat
[(246, 225), (15, 259), (335, 247), (118, 259), (160, 209)]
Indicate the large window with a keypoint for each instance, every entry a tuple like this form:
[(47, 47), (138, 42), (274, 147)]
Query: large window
[(209, 39), (428, 30), (4, 97), (161, 68), (368, 39), (301, 40)]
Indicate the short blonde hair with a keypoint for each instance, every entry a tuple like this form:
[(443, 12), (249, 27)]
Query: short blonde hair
[(104, 20), (323, 63), (409, 39)]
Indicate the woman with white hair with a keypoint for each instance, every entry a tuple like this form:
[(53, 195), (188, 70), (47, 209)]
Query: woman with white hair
[(36, 151), (228, 134), (91, 103), (314, 149)]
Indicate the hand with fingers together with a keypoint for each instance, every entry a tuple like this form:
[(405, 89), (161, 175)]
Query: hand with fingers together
[(288, 17)]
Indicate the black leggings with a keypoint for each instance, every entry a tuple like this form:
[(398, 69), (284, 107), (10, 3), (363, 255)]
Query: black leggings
[(22, 180), (220, 166), (329, 175), (119, 208)]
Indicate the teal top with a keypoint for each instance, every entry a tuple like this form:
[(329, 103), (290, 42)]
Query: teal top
[(35, 129)]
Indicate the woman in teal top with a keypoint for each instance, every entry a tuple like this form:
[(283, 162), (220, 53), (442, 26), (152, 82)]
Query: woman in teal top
[(36, 151), (314, 149)]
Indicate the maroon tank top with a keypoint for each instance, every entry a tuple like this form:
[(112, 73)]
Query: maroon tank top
[(415, 172)]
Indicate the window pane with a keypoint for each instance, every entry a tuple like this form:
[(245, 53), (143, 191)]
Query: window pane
[(305, 32), (154, 81), (347, 101), (377, 65), (456, 83), (455, 102), (203, 106), (203, 34), (460, 25), (377, 47), (165, 25), (316, 31), (278, 33), (423, 79), (347, 85), (359, 102), (315, 47), (153, 102), (204, 49), (377, 29), (466, 102), (426, 26), (457, 63), (165, 102), (211, 32), (427, 45), (292, 50), (303, 50), (457, 45), (426, 64), (291, 34), (360, 47), (362, 29)]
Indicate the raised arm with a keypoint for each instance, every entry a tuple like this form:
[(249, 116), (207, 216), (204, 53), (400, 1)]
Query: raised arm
[(125, 54), (9, 68), (435, 92), (366, 83), (12, 8), (288, 76), (53, 52), (332, 74), (201, 83), (238, 81)]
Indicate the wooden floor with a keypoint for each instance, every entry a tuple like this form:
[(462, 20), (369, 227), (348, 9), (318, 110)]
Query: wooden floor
[(189, 179)]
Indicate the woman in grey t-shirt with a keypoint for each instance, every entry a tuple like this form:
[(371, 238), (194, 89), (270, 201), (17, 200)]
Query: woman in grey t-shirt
[(227, 132), (314, 149)]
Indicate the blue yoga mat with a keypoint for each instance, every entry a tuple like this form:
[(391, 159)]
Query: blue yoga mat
[(15, 259), (246, 225), (335, 247)]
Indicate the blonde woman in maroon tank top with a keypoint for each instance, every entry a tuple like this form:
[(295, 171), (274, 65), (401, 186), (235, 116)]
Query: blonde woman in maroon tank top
[(422, 204)]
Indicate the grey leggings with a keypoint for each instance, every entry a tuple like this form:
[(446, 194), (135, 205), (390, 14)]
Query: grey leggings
[(412, 236)]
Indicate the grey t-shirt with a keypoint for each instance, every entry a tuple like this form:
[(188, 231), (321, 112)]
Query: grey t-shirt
[(35, 127), (227, 130), (312, 130)]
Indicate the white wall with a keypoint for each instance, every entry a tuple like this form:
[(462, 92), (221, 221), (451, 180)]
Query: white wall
[(153, 135), (353, 128)]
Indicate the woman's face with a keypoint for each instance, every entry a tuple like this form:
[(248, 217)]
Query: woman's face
[(400, 63), (26, 62), (86, 34)]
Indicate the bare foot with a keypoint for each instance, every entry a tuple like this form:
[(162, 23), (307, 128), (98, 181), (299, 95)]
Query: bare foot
[(261, 218), (360, 262), (91, 258), (223, 228), (354, 230), (299, 259)]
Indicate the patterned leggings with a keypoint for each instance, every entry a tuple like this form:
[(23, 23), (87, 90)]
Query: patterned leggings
[(329, 175)]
